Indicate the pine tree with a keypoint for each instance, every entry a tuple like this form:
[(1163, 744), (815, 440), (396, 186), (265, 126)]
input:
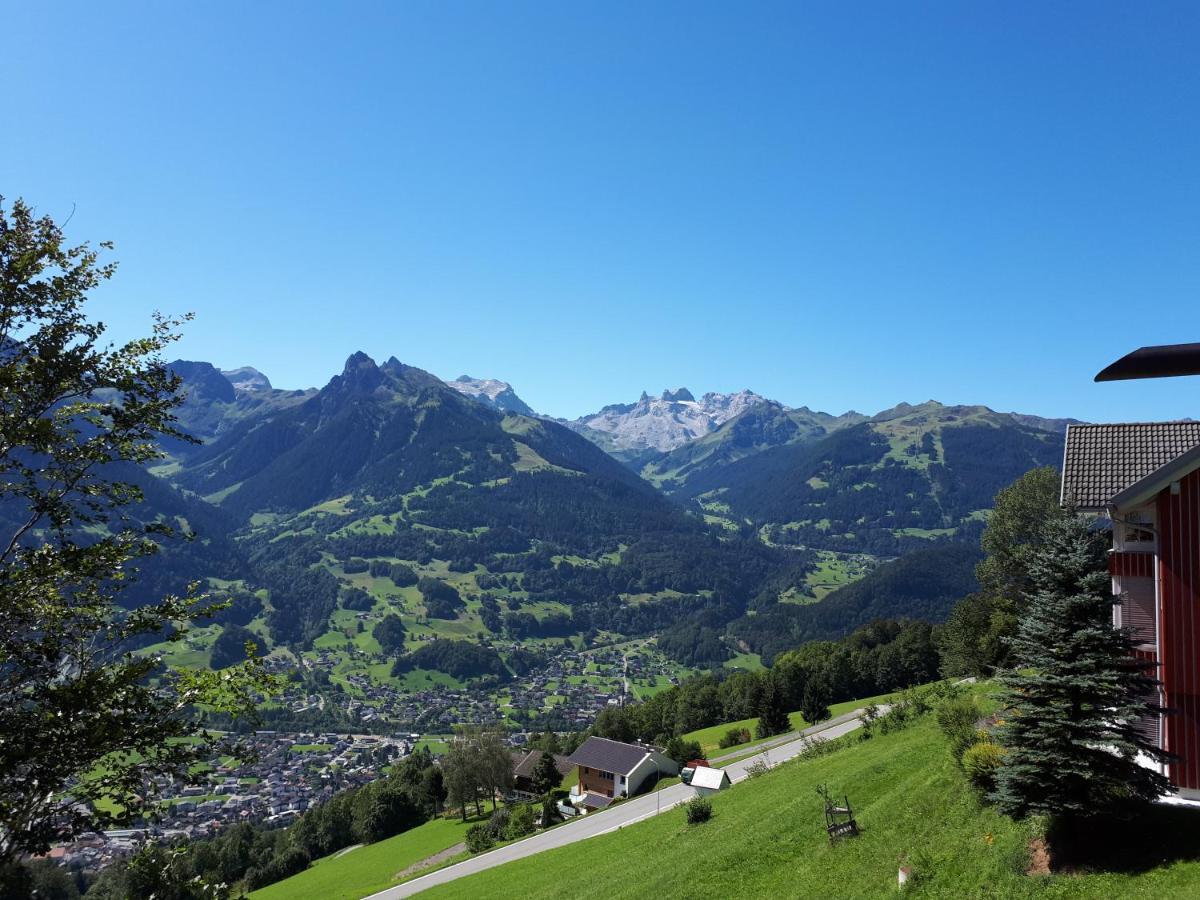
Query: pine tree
[(772, 713), (546, 776), (1076, 691)]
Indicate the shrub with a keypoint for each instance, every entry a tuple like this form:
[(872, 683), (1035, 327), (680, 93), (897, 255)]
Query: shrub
[(756, 768), (520, 823), (981, 761), (957, 720), (735, 737), (479, 839), (497, 825), (698, 810), (354, 565)]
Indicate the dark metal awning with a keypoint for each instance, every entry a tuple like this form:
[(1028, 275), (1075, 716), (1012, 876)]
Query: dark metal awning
[(1166, 361)]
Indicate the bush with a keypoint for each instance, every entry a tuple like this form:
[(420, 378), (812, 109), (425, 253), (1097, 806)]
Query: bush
[(756, 768), (497, 825), (734, 737), (698, 810), (981, 761), (479, 839), (520, 823), (354, 565), (957, 720)]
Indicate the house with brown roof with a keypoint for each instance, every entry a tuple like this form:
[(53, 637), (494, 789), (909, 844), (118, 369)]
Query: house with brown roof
[(1145, 477), (609, 770), (525, 763)]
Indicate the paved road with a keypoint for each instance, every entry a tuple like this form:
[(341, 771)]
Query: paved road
[(854, 714), (635, 810)]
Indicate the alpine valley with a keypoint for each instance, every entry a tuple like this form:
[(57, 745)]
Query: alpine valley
[(414, 553)]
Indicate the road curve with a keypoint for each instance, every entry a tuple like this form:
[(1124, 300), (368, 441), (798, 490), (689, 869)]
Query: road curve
[(627, 813)]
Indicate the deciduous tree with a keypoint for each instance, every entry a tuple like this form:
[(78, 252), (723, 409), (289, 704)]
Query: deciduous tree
[(82, 715)]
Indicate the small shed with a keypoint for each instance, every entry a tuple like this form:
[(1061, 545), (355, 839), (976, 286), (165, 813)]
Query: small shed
[(707, 780)]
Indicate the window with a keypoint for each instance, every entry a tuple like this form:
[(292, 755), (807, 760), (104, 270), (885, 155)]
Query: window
[(1137, 611), (1136, 535), (622, 779)]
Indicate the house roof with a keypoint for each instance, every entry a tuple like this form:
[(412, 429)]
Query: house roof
[(524, 764), (1102, 461), (595, 801), (706, 777), (608, 756)]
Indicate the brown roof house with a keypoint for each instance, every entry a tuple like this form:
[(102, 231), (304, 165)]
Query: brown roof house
[(609, 770), (524, 765)]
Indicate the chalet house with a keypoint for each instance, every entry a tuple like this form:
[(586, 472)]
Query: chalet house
[(1145, 477), (525, 764), (609, 770)]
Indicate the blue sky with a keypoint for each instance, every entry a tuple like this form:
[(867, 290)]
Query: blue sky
[(837, 205)]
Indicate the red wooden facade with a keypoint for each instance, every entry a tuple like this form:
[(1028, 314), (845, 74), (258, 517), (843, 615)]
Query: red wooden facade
[(1179, 634)]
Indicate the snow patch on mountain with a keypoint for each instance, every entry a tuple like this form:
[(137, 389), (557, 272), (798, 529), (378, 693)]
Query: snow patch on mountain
[(499, 395), (665, 422)]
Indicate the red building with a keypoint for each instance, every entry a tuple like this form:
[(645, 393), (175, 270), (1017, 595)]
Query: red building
[(1146, 478)]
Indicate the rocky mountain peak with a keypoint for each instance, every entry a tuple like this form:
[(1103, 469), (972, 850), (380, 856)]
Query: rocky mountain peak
[(248, 379), (679, 395), (499, 395)]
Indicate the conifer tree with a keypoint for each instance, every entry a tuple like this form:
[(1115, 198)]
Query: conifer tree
[(1076, 692), (546, 776), (772, 714)]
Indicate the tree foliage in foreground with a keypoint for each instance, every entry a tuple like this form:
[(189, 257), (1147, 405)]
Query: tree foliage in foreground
[(80, 719), (1076, 693)]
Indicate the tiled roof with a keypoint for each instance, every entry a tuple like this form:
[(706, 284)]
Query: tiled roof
[(525, 765), (608, 756), (1100, 461)]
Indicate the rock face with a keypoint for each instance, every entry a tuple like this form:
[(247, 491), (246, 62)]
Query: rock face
[(247, 379), (499, 395), (665, 422)]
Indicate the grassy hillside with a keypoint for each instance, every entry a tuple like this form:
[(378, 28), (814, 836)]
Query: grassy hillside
[(366, 870), (766, 839), (881, 486)]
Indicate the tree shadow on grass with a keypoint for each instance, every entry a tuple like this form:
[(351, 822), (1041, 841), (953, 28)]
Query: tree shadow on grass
[(1159, 836)]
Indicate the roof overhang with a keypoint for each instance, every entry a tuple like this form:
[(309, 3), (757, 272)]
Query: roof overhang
[(1147, 489), (1166, 361)]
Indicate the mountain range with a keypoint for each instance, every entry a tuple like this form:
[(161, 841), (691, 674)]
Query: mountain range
[(450, 505)]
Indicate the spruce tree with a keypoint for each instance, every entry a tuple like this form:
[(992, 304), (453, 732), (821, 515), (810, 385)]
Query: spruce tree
[(546, 776), (1076, 691), (772, 713)]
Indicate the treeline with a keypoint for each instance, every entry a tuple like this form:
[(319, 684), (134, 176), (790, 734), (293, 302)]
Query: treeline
[(253, 855), (882, 656)]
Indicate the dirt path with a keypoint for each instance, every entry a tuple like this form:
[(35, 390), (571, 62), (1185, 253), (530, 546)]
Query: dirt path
[(432, 860)]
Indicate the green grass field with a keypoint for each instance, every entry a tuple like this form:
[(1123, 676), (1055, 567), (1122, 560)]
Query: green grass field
[(767, 839), (368, 869)]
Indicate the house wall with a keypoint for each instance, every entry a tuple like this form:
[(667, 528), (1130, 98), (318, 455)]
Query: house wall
[(590, 780), (640, 773), (1179, 637)]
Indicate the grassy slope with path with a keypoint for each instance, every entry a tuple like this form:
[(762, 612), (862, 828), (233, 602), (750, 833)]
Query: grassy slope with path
[(367, 869), (766, 839)]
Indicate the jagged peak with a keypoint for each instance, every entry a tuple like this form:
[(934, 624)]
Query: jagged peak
[(679, 395)]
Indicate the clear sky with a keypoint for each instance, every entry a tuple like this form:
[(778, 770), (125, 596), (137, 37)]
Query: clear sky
[(838, 205)]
